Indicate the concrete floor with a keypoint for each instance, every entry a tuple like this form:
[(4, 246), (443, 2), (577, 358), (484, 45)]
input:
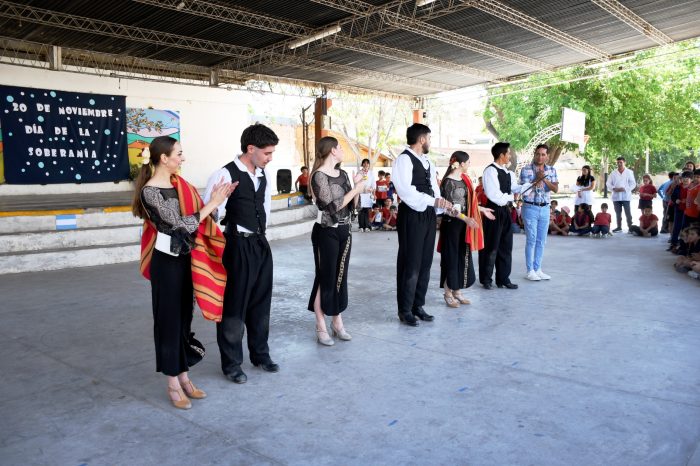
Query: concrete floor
[(599, 366)]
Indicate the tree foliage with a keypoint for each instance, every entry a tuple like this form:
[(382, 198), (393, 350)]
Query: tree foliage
[(626, 112)]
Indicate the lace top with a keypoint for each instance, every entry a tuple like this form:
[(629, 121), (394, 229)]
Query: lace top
[(329, 192), (455, 191), (163, 209)]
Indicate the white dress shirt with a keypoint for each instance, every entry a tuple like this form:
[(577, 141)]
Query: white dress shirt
[(492, 188), (366, 196), (255, 178), (402, 177), (622, 180)]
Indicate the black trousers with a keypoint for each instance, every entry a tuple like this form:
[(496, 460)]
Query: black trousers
[(247, 299), (363, 218), (456, 265), (416, 231), (173, 302), (498, 247), (619, 205), (638, 231), (331, 257)]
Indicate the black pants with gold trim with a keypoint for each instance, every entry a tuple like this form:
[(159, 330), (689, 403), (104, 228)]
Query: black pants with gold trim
[(456, 264), (331, 257)]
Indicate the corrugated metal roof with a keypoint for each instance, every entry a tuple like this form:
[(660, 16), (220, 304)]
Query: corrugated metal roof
[(581, 19)]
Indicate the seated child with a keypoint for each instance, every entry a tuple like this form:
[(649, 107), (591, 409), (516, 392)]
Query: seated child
[(302, 183), (684, 263), (601, 224), (376, 217), (390, 220), (560, 226), (513, 218), (581, 222), (648, 224)]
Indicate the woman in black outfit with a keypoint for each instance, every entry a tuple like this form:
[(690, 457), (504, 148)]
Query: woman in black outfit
[(460, 230), (331, 239), (170, 269)]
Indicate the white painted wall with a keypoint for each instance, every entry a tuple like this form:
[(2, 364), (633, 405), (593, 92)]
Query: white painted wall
[(211, 122)]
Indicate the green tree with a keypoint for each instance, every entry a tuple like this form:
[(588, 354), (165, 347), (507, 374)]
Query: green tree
[(652, 102)]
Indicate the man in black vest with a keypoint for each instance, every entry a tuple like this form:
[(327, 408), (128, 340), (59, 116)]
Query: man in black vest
[(247, 256), (499, 186), (415, 179)]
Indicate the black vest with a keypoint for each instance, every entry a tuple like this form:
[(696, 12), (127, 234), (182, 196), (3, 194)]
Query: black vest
[(246, 206), (503, 183), (421, 175)]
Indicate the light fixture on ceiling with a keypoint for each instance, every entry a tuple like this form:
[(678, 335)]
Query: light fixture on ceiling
[(420, 3), (180, 6), (318, 36)]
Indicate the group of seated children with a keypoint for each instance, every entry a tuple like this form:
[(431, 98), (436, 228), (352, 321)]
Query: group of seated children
[(383, 216), (583, 223)]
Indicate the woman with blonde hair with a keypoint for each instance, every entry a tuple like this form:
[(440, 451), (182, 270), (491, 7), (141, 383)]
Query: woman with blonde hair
[(176, 224), (331, 238), (460, 230)]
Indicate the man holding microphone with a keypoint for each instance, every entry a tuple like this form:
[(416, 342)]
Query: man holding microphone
[(542, 179)]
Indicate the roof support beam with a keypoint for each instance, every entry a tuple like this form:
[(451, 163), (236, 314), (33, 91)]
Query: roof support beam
[(529, 23), (52, 18), (628, 16), (402, 15), (343, 40)]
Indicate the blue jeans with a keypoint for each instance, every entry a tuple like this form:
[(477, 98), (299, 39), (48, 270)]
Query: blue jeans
[(536, 223)]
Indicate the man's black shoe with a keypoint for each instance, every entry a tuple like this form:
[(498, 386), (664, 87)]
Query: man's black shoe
[(422, 315), (268, 366), (510, 286), (408, 319), (237, 376), (488, 286), (617, 229)]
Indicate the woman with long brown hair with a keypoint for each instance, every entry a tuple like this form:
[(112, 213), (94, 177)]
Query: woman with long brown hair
[(460, 230), (168, 239), (331, 238)]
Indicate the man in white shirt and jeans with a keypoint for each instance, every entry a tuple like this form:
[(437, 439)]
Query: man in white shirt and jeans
[(621, 182)]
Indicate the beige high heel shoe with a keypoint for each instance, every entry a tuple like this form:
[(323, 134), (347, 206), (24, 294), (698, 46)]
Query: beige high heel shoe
[(450, 300), (342, 334), (325, 341), (183, 402), (192, 391), (458, 296)]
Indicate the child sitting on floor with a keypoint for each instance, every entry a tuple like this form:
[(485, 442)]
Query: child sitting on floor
[(560, 226), (648, 224), (376, 216), (581, 223), (601, 224), (684, 263), (390, 220)]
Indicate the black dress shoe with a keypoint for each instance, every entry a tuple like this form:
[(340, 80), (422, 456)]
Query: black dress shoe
[(422, 315), (408, 319), (237, 376), (488, 286), (268, 366), (510, 286)]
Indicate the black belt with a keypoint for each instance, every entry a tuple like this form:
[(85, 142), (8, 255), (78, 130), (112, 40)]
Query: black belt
[(232, 231), (538, 204)]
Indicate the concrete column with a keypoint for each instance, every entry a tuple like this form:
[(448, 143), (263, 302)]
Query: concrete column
[(55, 59)]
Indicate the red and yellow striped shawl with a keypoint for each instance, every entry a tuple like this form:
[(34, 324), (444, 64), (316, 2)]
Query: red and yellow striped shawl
[(208, 273), (474, 236)]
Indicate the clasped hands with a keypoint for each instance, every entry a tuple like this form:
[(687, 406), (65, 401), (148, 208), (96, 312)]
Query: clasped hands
[(222, 190)]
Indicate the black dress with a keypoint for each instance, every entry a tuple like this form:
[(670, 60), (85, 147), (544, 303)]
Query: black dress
[(331, 241), (171, 283), (456, 265)]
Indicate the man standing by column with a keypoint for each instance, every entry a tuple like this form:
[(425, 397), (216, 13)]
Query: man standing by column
[(499, 186), (535, 212), (415, 179), (621, 182), (247, 256)]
